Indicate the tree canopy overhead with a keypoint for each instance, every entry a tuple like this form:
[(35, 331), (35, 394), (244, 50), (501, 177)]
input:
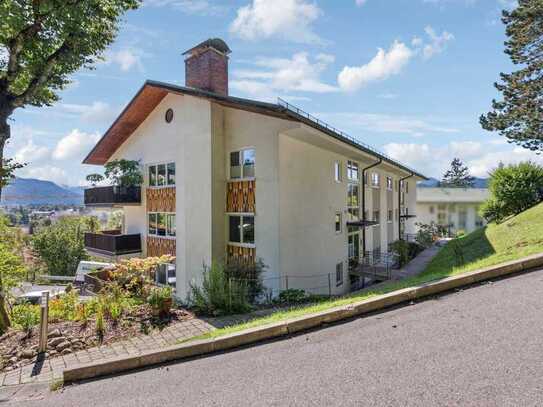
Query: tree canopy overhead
[(43, 42), (519, 115)]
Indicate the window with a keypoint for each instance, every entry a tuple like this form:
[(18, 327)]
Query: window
[(352, 171), (165, 274), (375, 181), (337, 171), (339, 274), (338, 222), (353, 202), (242, 164), (241, 229), (406, 187), (162, 175), (389, 183), (161, 224), (376, 215), (431, 209), (389, 215), (441, 207)]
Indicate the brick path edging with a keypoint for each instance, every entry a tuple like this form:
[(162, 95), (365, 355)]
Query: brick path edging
[(253, 335)]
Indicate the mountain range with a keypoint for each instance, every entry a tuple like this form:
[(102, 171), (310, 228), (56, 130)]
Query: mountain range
[(29, 191)]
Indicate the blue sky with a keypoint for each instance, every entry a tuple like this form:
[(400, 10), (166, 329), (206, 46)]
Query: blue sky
[(410, 77)]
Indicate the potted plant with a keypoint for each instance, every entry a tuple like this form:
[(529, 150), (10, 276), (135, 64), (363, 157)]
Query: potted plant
[(160, 299)]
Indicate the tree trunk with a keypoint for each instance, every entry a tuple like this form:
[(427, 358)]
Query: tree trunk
[(4, 136)]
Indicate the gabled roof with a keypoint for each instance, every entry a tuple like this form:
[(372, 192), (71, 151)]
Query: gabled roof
[(152, 93)]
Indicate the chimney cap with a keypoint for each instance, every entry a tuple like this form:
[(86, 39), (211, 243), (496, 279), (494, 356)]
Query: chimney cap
[(215, 43)]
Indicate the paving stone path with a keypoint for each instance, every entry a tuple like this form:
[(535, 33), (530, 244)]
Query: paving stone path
[(50, 369)]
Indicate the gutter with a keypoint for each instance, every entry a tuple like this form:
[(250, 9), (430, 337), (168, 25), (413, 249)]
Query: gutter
[(364, 202), (400, 204)]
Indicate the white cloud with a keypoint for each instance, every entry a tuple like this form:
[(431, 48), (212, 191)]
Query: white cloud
[(31, 153), (272, 75), (433, 161), (199, 7), (389, 96), (383, 65), (96, 112), (46, 173), (437, 43), (74, 145), (287, 19), (126, 58), (384, 123), (361, 2)]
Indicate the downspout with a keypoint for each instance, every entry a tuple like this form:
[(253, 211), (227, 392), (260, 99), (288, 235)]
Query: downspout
[(400, 204), (364, 203)]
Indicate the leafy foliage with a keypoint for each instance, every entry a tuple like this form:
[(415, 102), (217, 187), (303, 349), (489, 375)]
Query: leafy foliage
[(25, 316), (94, 178), (61, 245), (160, 300), (519, 115), (457, 176), (7, 171), (513, 189), (219, 294), (292, 296), (123, 172), (405, 250), (251, 273)]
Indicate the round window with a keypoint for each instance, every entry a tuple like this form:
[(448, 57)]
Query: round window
[(169, 116)]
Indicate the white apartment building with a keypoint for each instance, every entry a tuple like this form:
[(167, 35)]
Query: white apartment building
[(455, 208), (227, 177)]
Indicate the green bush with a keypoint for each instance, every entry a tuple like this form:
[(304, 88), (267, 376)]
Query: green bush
[(513, 189), (219, 295), (64, 308), (25, 316), (292, 296), (251, 273), (160, 300), (405, 250)]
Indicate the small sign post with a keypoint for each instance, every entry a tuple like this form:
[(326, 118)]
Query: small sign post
[(44, 316)]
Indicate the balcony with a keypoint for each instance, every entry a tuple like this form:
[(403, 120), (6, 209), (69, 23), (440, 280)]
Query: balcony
[(113, 196), (112, 243)]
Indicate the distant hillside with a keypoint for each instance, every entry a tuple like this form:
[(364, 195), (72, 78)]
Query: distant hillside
[(434, 183), (28, 191)]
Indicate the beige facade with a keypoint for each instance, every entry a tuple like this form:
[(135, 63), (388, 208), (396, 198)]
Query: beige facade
[(297, 197), (454, 208)]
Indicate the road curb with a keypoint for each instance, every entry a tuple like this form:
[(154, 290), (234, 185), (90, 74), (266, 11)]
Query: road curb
[(275, 330)]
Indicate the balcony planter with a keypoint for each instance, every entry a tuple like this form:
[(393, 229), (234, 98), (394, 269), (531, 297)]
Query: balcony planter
[(112, 243)]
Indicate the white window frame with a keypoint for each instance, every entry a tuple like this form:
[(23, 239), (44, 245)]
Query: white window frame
[(167, 235), (351, 163), (390, 215), (165, 163), (337, 171), (390, 183), (378, 220), (375, 176), (340, 231), (241, 215), (229, 169)]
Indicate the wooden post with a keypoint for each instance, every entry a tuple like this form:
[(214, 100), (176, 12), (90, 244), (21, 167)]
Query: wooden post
[(44, 316)]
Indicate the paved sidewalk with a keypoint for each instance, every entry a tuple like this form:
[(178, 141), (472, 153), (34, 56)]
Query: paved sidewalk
[(419, 263), (51, 369)]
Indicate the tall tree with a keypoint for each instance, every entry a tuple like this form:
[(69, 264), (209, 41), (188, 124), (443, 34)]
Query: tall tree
[(519, 116), (457, 176), (42, 42)]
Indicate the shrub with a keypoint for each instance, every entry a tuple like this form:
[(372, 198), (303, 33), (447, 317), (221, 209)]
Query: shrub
[(160, 300), (251, 273), (292, 296), (100, 327), (513, 189), (25, 316), (64, 308), (219, 294), (405, 250)]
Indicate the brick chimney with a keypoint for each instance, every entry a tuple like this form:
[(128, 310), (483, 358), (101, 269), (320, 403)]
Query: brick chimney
[(206, 66)]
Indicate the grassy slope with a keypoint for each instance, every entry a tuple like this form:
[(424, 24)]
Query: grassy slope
[(519, 237)]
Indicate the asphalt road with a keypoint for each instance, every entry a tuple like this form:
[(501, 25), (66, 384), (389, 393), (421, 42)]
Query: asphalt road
[(479, 347)]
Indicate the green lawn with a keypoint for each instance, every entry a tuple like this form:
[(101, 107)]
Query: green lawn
[(518, 237)]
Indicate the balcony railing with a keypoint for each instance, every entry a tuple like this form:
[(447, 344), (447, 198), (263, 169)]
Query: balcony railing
[(113, 195), (113, 243)]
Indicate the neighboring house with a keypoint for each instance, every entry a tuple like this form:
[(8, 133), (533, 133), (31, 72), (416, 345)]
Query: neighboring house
[(227, 177), (454, 208)]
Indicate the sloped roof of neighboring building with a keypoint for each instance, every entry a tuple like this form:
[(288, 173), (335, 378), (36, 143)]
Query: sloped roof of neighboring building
[(152, 93), (452, 195)]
